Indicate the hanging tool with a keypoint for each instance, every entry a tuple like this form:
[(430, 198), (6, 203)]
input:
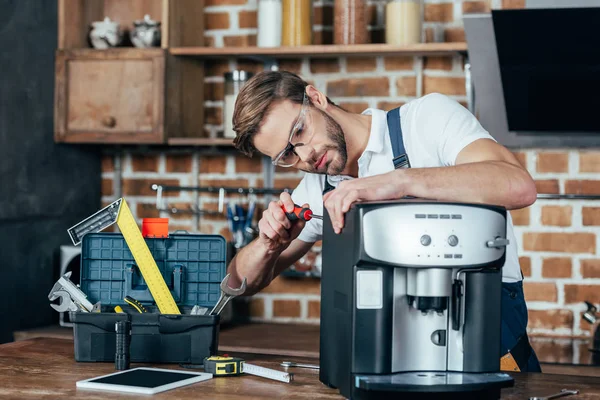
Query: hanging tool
[(71, 297), (235, 217), (303, 213), (240, 219), (249, 231), (289, 364), (564, 392), (119, 212), (227, 294), (232, 366)]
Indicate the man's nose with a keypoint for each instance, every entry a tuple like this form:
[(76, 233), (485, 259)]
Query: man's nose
[(306, 153)]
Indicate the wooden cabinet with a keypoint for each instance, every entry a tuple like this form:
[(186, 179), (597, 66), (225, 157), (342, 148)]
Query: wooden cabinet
[(119, 95), (110, 96)]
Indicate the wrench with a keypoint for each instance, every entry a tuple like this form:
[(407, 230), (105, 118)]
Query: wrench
[(288, 364), (227, 294), (65, 303), (564, 392)]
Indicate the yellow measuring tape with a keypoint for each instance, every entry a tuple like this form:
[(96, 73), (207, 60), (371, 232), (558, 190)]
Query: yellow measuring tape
[(137, 245), (141, 253)]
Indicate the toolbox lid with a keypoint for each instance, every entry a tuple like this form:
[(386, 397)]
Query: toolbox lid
[(192, 265)]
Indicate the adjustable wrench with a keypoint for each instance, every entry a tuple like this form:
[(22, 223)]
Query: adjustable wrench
[(227, 294), (564, 392), (65, 303), (71, 297)]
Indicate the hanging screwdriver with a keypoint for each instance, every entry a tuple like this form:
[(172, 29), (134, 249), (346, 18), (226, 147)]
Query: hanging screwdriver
[(303, 213)]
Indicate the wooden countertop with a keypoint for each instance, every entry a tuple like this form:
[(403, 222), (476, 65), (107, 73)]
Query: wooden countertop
[(302, 340), (45, 368)]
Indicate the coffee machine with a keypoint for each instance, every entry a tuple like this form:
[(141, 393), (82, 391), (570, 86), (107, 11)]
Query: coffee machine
[(410, 300)]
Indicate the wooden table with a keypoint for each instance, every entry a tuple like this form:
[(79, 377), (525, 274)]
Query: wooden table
[(300, 340), (45, 368)]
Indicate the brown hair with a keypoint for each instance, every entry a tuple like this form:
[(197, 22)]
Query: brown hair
[(255, 98)]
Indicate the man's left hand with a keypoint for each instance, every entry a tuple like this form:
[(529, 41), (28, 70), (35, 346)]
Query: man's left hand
[(379, 187)]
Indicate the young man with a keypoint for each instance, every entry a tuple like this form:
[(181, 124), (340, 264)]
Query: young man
[(452, 158)]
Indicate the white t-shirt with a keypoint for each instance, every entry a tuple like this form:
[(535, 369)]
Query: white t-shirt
[(435, 129)]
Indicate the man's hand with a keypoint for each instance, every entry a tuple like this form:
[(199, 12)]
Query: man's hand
[(379, 187), (276, 231)]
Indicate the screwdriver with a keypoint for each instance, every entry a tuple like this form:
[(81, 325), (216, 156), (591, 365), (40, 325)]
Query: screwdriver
[(302, 213)]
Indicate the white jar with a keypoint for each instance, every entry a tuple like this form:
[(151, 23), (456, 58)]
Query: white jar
[(269, 23), (403, 22)]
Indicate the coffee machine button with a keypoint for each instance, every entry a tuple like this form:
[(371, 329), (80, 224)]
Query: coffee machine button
[(452, 240), (425, 240)]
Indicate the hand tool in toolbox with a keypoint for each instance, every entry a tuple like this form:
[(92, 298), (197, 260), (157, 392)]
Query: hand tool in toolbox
[(231, 366), (303, 213), (119, 212), (227, 294), (71, 297), (198, 310), (564, 392), (135, 304), (289, 364)]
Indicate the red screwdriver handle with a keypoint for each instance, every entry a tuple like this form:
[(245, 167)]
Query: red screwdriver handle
[(304, 214)]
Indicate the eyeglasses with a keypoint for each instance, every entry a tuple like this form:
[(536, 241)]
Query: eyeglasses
[(300, 135)]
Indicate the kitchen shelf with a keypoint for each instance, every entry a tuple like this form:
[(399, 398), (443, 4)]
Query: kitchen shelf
[(197, 141), (425, 49)]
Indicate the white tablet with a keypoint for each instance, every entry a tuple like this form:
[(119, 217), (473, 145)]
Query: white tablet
[(144, 380)]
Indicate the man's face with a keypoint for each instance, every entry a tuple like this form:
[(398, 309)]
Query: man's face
[(319, 141)]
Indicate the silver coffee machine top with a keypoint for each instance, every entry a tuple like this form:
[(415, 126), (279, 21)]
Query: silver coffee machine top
[(412, 287)]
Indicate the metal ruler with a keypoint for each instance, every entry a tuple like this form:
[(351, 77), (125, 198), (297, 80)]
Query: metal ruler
[(119, 212)]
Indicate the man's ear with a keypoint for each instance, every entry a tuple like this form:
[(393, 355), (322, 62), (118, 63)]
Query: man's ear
[(317, 98)]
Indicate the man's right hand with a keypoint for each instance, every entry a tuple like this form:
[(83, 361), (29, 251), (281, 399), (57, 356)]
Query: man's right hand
[(276, 231)]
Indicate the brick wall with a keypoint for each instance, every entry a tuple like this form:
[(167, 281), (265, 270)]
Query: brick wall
[(558, 239)]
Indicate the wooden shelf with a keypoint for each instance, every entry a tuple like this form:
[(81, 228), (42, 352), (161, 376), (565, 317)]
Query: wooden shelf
[(191, 141), (322, 50)]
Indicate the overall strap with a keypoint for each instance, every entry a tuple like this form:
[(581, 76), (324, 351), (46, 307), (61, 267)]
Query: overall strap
[(393, 122), (328, 186), (400, 157)]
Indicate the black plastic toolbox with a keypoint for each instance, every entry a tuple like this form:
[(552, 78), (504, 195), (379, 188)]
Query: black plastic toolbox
[(193, 267), (155, 338)]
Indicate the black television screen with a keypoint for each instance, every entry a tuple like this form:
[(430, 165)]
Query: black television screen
[(550, 68)]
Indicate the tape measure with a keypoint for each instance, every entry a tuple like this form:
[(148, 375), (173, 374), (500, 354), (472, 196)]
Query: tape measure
[(232, 366), (220, 366), (119, 212)]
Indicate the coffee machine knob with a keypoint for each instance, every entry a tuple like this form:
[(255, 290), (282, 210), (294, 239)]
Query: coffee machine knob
[(425, 240), (452, 240)]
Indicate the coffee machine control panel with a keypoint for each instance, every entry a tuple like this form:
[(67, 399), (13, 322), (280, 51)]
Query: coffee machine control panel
[(433, 234)]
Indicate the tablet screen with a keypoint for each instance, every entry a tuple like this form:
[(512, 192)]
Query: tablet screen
[(144, 378)]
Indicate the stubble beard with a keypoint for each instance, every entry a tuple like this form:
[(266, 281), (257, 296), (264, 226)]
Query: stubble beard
[(336, 135)]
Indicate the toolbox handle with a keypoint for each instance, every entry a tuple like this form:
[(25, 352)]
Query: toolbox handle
[(141, 292), (181, 231)]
